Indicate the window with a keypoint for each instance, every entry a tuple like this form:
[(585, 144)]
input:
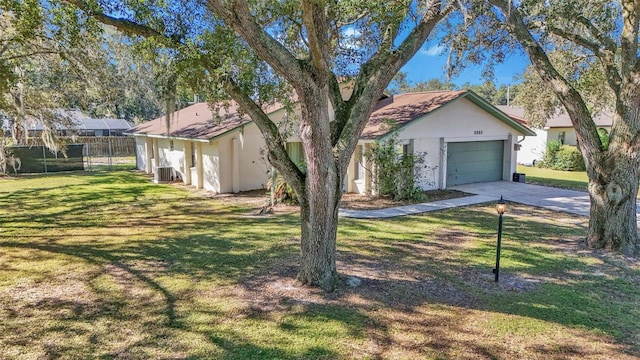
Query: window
[(407, 149), (561, 137), (193, 154), (171, 145), (296, 153)]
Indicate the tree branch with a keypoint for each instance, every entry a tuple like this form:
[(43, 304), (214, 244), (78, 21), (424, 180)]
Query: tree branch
[(605, 55), (629, 36), (127, 26), (237, 15), (579, 40), (25, 55), (375, 75), (278, 155), (608, 43), (574, 104), (315, 20)]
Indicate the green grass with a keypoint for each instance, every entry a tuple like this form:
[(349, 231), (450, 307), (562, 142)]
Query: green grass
[(574, 180), (109, 265)]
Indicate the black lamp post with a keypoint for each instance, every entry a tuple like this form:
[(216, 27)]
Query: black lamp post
[(501, 207)]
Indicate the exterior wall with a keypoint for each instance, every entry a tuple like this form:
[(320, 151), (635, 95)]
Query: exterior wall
[(429, 174), (141, 153), (460, 121), (253, 160), (532, 148), (357, 173), (172, 157), (225, 164), (242, 163), (211, 167), (569, 135)]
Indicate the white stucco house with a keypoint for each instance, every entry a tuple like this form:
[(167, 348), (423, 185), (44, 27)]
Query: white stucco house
[(463, 138), (558, 127)]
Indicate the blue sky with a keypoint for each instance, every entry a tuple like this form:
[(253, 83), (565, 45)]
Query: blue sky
[(429, 63)]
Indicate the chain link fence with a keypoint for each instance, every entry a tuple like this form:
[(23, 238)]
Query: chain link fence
[(89, 153)]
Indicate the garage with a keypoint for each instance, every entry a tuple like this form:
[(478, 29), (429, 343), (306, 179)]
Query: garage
[(477, 161)]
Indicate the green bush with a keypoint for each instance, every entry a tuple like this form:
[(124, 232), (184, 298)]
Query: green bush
[(604, 138), (396, 173), (553, 146), (568, 158)]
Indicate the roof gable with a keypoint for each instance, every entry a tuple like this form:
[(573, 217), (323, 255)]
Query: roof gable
[(398, 111)]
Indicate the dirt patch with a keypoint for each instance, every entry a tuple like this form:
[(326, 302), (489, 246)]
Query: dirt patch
[(363, 202), (410, 311), (259, 200)]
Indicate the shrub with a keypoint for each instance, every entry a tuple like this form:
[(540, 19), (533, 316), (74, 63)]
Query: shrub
[(282, 191), (604, 138), (396, 172), (553, 146), (568, 158)]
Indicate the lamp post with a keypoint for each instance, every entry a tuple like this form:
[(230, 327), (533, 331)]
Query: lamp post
[(501, 207)]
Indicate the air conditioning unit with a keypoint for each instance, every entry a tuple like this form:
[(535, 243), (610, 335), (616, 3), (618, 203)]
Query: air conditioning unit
[(163, 174)]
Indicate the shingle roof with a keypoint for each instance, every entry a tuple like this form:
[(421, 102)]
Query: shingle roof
[(199, 122), (403, 108), (560, 119), (76, 120)]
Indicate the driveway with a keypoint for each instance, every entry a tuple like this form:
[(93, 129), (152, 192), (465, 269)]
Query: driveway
[(571, 201)]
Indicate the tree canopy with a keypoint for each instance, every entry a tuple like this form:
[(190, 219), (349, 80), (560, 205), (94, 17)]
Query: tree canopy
[(586, 54), (260, 52)]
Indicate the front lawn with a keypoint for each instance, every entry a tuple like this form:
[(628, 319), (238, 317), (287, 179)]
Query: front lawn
[(109, 265), (573, 180)]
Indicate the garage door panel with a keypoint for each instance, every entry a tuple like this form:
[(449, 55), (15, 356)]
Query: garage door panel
[(473, 156), (477, 161), (476, 167)]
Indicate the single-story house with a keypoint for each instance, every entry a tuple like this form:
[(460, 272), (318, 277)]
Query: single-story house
[(222, 150), (463, 138), (558, 127), (73, 121)]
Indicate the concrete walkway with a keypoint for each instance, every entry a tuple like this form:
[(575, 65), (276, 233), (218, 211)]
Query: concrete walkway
[(571, 201), (415, 208)]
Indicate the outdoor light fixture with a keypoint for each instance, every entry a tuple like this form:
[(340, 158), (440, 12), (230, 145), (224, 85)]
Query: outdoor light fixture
[(501, 207)]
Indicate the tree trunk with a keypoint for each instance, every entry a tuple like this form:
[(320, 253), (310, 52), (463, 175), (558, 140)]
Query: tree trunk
[(612, 218), (321, 194), (319, 223)]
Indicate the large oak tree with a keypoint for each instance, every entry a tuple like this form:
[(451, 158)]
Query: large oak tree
[(251, 50), (571, 44)]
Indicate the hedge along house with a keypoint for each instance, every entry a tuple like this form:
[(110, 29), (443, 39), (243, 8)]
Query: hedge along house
[(462, 137), (221, 151)]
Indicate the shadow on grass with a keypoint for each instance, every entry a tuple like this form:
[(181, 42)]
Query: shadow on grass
[(437, 261)]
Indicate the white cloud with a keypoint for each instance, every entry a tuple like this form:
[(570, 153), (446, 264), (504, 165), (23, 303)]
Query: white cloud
[(351, 32), (434, 50)]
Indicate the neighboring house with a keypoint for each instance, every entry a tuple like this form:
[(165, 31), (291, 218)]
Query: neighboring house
[(558, 127), (74, 122), (464, 139)]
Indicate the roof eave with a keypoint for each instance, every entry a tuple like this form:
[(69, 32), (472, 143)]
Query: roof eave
[(396, 129)]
